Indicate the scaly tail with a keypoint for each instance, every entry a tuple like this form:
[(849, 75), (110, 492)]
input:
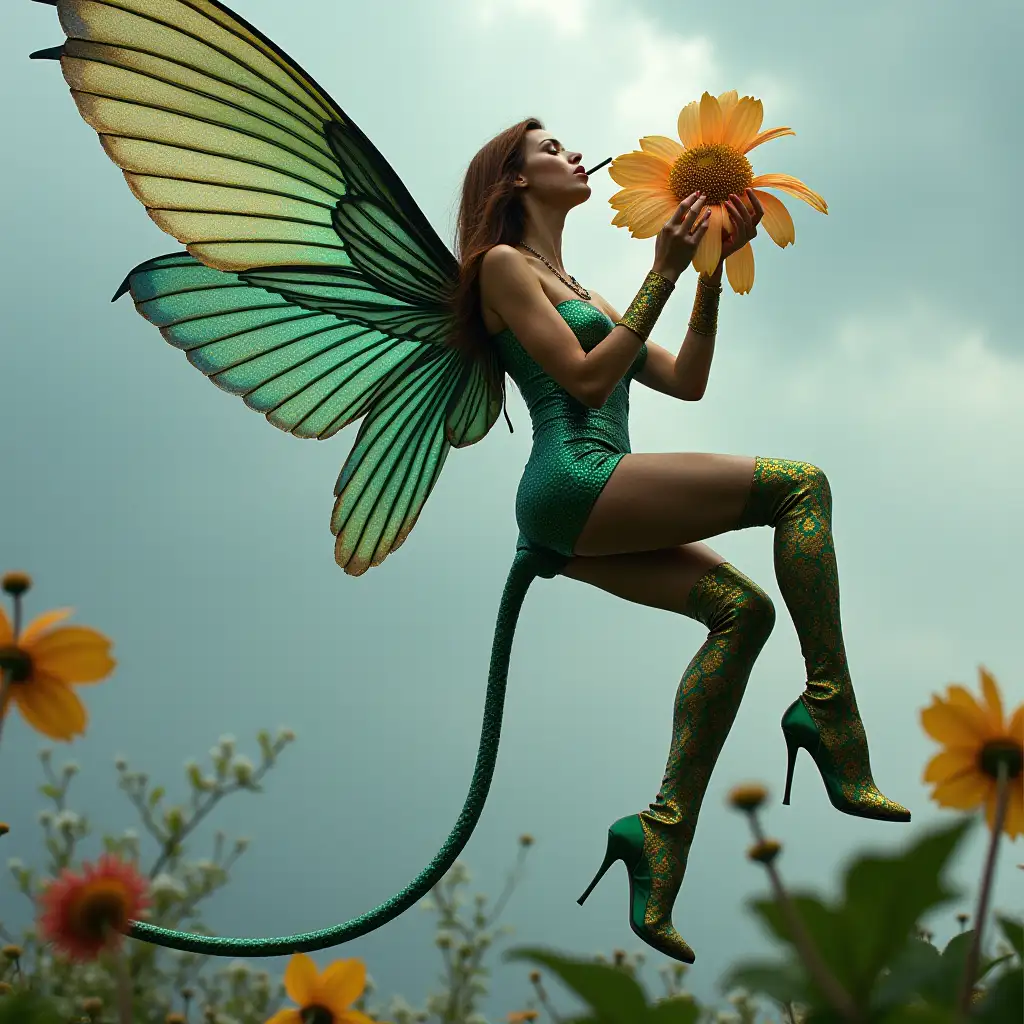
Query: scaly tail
[(526, 566)]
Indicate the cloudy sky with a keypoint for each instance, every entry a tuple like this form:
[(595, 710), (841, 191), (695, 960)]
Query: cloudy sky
[(885, 346)]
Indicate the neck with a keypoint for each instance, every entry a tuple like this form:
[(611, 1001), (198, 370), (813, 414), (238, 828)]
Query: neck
[(543, 232)]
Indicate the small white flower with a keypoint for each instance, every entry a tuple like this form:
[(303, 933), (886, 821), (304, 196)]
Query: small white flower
[(120, 763), (285, 735), (739, 997), (227, 743), (130, 835), (71, 768), (66, 820), (242, 843), (239, 968), (15, 864), (45, 817), (165, 884), (242, 768)]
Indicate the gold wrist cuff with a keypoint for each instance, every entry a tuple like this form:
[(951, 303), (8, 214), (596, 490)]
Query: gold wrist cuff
[(647, 305), (704, 318)]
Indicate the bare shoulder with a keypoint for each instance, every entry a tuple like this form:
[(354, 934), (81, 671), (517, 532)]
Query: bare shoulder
[(505, 276)]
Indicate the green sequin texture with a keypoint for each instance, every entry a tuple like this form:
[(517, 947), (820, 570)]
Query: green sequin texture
[(795, 498), (575, 448), (647, 305), (740, 617)]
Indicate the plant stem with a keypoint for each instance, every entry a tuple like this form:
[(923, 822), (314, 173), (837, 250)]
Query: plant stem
[(974, 954)]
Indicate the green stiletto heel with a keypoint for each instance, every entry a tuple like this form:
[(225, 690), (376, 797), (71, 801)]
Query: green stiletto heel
[(626, 843), (856, 796)]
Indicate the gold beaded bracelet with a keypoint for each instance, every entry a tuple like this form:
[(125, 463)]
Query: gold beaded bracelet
[(704, 318), (647, 305)]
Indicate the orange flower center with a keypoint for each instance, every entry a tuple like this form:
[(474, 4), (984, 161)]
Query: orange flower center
[(101, 908), (1002, 751), (714, 168), (17, 662), (316, 1015)]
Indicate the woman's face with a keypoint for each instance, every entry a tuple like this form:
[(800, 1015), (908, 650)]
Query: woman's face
[(551, 171)]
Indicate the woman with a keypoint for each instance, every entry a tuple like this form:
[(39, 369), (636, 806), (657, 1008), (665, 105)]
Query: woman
[(633, 524), (313, 287)]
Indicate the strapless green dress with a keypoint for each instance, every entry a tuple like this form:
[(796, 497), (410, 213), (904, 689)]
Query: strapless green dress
[(575, 448)]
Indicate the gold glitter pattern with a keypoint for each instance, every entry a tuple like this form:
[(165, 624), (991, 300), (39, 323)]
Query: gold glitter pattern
[(740, 617), (704, 317), (795, 499), (647, 304)]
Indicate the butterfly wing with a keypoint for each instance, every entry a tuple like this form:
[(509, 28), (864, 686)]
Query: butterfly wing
[(312, 286)]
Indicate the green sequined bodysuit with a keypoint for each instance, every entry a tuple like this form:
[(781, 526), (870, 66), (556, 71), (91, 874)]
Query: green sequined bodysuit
[(575, 448)]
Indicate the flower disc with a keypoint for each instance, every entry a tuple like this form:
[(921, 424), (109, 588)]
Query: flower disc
[(714, 168)]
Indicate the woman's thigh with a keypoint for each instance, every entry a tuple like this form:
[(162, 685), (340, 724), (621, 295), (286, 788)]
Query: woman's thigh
[(657, 501), (658, 579)]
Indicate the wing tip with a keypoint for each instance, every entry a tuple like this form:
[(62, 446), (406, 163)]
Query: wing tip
[(50, 53), (124, 288)]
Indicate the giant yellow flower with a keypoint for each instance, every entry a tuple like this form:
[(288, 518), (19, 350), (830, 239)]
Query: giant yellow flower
[(716, 134), (976, 736), (44, 661)]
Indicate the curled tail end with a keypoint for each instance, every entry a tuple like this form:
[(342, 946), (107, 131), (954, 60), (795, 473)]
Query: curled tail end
[(527, 566)]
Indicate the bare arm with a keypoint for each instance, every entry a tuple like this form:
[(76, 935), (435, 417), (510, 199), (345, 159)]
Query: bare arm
[(514, 292), (683, 376)]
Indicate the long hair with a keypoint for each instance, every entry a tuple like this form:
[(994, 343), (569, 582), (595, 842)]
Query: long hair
[(490, 214)]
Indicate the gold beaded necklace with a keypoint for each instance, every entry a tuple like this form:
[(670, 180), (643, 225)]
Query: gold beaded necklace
[(574, 285)]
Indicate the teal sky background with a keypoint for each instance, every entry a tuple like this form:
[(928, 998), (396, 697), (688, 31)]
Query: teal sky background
[(885, 346)]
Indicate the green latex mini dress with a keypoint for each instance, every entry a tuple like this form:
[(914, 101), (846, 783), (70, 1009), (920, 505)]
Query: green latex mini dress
[(575, 448)]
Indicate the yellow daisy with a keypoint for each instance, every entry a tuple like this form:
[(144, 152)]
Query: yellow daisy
[(716, 134), (976, 737), (45, 660), (323, 997)]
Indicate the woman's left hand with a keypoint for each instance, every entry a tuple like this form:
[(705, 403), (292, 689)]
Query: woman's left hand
[(744, 222)]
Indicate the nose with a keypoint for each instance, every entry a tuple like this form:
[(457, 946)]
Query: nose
[(575, 159)]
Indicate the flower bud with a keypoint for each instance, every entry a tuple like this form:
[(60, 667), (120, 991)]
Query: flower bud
[(4, 828), (748, 798), (16, 583), (526, 839), (11, 952), (765, 851)]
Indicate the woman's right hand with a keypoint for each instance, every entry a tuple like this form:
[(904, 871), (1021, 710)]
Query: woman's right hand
[(678, 239)]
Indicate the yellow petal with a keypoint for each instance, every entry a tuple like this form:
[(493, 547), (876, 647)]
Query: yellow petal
[(341, 984), (952, 726), (1014, 825), (727, 101), (40, 625), (6, 629), (793, 186), (300, 977), (990, 689), (688, 125), (662, 146), (710, 119), (640, 169), (743, 123), (777, 220), (648, 216), (286, 1017), (636, 198), (948, 764), (963, 700), (621, 199), (767, 136), (75, 654), (709, 252), (964, 793), (51, 707), (1016, 726), (739, 268)]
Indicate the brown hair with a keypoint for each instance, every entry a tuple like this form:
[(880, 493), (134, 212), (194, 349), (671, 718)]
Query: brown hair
[(490, 214)]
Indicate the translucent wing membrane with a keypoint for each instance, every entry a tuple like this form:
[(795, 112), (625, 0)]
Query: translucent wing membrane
[(316, 289)]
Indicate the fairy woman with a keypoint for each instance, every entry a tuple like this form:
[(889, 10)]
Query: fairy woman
[(313, 287)]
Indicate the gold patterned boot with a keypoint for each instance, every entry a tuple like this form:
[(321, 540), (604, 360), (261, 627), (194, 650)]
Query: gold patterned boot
[(654, 844), (795, 498)]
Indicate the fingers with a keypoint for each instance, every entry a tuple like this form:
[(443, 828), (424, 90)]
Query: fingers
[(758, 208), (684, 208), (697, 210)]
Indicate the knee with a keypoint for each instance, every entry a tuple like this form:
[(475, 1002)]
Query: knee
[(755, 611), (814, 479)]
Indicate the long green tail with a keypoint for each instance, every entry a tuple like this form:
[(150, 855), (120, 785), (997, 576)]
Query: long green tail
[(526, 566)]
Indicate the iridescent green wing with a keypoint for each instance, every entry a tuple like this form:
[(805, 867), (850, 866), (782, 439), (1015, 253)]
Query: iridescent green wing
[(315, 287)]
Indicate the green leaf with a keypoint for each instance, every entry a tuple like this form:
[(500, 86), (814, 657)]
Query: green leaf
[(28, 1008), (613, 994), (155, 796), (785, 982), (50, 791), (884, 897), (1003, 1001), (677, 1010), (910, 971), (1014, 933), (943, 987)]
